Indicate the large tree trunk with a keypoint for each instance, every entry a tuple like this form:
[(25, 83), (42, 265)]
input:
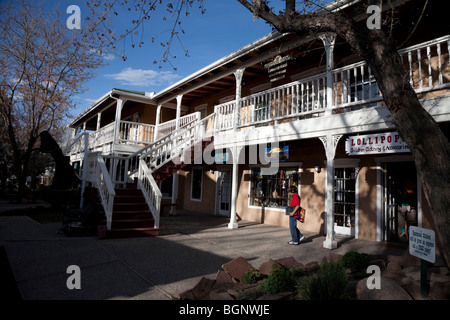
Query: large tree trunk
[(428, 144)]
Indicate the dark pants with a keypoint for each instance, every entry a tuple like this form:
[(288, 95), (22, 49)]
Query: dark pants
[(295, 232)]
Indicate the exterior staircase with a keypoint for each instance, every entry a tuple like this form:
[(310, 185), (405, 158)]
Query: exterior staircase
[(133, 209), (131, 216), (174, 165)]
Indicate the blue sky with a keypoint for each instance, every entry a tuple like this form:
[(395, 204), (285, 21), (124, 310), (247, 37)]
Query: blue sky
[(225, 27)]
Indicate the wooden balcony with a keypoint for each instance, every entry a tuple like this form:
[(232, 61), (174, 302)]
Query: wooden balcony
[(131, 136), (352, 88)]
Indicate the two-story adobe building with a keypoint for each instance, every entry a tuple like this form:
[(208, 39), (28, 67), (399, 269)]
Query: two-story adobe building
[(204, 142)]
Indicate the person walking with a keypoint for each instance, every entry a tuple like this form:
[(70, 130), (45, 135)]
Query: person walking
[(296, 235)]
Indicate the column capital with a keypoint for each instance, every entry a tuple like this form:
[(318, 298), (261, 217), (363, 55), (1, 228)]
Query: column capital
[(330, 143), (239, 74), (328, 39)]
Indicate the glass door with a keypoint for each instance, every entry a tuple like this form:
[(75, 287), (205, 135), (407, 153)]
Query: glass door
[(224, 181), (344, 201)]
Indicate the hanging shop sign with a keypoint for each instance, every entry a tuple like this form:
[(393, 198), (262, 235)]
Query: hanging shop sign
[(277, 68), (277, 154), (389, 142)]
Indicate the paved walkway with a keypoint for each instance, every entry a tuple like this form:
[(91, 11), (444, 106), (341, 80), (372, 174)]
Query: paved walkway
[(155, 268)]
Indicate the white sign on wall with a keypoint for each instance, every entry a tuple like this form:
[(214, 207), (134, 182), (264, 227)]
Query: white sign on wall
[(422, 243), (388, 142)]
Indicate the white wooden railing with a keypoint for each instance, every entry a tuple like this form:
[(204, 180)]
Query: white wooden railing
[(150, 191), (130, 133), (296, 98), (101, 137), (134, 133), (122, 168), (168, 127), (165, 150), (428, 64), (98, 175), (353, 86), (175, 144)]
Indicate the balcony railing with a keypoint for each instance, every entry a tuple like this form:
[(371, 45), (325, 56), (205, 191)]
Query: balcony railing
[(133, 133), (169, 126), (353, 86), (130, 133)]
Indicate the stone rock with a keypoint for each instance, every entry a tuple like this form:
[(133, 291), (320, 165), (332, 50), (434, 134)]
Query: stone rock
[(334, 257), (437, 277), (413, 273), (289, 263), (223, 277), (277, 296), (200, 291), (379, 262), (237, 268), (267, 267), (397, 259), (393, 267), (223, 281), (351, 270), (406, 281), (411, 261), (233, 293), (220, 295), (389, 291), (312, 266)]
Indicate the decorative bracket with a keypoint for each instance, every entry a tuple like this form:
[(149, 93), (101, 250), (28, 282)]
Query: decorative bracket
[(330, 143)]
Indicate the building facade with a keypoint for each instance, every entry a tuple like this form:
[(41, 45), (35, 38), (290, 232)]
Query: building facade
[(285, 110)]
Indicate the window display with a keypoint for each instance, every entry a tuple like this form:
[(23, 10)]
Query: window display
[(272, 190)]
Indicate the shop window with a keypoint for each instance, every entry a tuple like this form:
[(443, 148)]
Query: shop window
[(196, 184), (272, 190), (344, 197)]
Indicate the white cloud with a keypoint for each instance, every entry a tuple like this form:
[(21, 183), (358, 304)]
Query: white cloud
[(108, 57), (144, 78)]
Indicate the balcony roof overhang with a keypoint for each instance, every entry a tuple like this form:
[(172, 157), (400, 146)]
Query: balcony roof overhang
[(219, 74), (108, 100)]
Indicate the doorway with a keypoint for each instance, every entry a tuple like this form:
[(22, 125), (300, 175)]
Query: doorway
[(345, 201), (224, 192), (400, 202)]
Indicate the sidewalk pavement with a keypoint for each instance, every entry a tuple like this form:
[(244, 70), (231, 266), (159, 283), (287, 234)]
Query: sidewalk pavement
[(190, 246)]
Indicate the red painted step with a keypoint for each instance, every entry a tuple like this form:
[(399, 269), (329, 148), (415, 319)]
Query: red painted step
[(131, 216)]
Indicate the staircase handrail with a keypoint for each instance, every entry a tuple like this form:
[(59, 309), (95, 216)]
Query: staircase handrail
[(171, 125), (149, 146), (182, 139), (98, 175), (130, 163), (150, 191), (78, 138)]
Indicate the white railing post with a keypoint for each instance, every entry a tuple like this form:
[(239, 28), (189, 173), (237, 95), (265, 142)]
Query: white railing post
[(119, 106), (239, 74), (85, 160), (328, 41), (158, 121)]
